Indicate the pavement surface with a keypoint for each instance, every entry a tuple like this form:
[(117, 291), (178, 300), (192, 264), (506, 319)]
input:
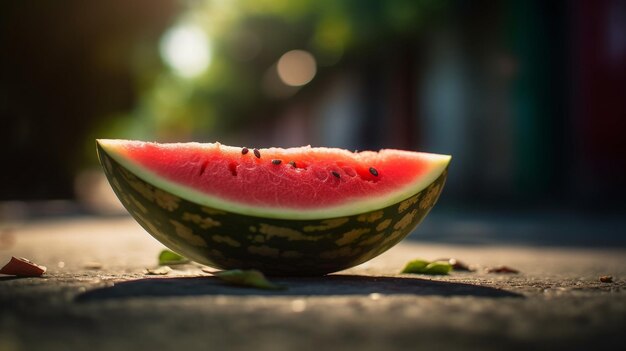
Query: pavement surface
[(96, 296)]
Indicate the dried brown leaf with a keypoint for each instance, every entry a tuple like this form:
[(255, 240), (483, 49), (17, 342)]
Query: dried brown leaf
[(606, 279), (502, 270), (163, 270)]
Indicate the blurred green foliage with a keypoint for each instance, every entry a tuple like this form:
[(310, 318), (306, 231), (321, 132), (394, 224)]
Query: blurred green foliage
[(246, 38)]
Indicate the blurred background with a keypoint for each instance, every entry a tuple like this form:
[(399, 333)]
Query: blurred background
[(529, 97)]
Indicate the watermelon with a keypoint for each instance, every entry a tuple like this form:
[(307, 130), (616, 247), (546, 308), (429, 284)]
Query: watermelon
[(296, 211)]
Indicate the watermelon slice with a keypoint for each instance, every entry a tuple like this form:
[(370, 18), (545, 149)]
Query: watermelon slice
[(283, 211)]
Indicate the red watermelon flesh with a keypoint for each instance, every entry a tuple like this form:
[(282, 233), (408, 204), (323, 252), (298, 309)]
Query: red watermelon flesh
[(301, 182)]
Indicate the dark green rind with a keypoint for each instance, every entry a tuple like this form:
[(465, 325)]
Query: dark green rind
[(274, 246)]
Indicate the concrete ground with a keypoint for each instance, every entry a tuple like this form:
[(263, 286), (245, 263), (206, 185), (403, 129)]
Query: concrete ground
[(95, 296)]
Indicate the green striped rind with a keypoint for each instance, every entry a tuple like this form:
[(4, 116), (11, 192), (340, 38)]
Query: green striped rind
[(274, 246)]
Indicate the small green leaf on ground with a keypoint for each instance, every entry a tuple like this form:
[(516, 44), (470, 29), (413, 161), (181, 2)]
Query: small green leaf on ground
[(427, 267), (21, 267), (163, 270), (249, 278), (168, 258), (415, 266), (438, 268)]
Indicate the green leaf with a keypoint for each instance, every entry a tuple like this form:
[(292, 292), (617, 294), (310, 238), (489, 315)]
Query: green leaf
[(250, 278), (426, 267), (169, 258), (438, 268), (415, 266)]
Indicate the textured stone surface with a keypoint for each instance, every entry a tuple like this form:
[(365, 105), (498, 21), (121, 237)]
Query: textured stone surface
[(556, 302)]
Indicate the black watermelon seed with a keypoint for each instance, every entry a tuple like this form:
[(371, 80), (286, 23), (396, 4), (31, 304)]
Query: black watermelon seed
[(244, 151), (374, 171), (257, 153), (335, 174), (203, 167), (276, 162), (293, 163)]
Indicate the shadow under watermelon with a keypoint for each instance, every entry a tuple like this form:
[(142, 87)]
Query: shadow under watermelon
[(331, 285)]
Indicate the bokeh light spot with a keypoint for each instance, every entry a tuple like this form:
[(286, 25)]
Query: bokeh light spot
[(296, 68), (186, 50)]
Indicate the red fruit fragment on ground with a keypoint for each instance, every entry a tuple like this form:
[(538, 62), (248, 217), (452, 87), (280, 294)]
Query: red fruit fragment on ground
[(22, 267), (502, 270)]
